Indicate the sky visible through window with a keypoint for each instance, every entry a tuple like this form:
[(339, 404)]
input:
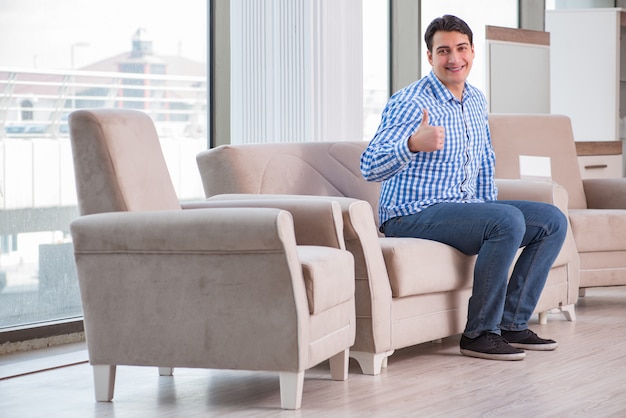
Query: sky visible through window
[(42, 34)]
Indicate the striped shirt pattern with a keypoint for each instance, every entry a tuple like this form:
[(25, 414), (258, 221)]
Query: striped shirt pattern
[(463, 171)]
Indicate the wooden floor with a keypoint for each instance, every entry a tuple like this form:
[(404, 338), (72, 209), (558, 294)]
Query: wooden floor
[(585, 376)]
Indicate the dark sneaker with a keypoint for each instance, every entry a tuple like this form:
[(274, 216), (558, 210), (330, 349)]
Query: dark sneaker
[(528, 340), (491, 347)]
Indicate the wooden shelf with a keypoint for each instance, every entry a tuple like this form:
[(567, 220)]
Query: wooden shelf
[(598, 148)]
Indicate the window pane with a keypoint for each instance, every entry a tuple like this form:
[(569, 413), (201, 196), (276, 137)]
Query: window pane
[(61, 56), (375, 63), (477, 14)]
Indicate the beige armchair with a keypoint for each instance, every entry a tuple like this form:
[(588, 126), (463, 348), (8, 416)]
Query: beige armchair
[(408, 291), (597, 207), (222, 287)]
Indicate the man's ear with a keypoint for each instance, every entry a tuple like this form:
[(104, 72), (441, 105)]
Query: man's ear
[(429, 55)]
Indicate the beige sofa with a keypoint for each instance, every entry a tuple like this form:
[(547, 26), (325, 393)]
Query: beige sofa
[(597, 207), (408, 291)]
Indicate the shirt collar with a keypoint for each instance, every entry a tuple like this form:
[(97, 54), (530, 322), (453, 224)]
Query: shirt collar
[(442, 93)]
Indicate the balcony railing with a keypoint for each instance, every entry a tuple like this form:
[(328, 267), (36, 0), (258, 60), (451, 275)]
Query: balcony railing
[(35, 153)]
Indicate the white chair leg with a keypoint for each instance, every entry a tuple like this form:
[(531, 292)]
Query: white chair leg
[(339, 365), (569, 312), (291, 386), (371, 363), (166, 371), (385, 360), (104, 382)]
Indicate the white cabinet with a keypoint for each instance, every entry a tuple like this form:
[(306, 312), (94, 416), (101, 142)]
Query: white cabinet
[(586, 72), (588, 81), (599, 159), (518, 70)]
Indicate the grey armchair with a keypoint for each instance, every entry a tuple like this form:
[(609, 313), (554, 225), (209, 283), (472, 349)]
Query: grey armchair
[(222, 287)]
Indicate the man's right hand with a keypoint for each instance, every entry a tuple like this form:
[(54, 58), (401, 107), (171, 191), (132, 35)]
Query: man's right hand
[(427, 138)]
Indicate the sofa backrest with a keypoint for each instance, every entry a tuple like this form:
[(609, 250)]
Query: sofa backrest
[(304, 168), (542, 135)]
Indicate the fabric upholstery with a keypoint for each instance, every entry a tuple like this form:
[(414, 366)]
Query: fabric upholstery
[(201, 295), (597, 207), (408, 291), (541, 136), (214, 285), (115, 166)]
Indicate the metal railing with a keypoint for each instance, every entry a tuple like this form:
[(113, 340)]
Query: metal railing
[(35, 155), (36, 102)]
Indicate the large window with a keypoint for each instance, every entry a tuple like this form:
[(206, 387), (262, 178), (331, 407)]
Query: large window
[(61, 56)]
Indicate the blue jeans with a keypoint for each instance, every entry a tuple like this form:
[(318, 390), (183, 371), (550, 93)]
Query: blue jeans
[(494, 230)]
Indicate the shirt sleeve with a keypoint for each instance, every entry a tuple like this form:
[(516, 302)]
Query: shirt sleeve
[(388, 152)]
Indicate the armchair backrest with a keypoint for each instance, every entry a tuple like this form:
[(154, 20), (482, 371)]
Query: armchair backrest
[(310, 168), (118, 162), (542, 135)]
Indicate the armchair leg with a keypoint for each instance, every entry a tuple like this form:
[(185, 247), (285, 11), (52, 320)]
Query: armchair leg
[(371, 363), (386, 359), (339, 365), (291, 385), (104, 382), (166, 371), (569, 312)]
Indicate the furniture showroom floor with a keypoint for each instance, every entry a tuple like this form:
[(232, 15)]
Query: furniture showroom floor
[(585, 376)]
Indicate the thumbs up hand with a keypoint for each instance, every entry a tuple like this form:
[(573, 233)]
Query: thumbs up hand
[(427, 138)]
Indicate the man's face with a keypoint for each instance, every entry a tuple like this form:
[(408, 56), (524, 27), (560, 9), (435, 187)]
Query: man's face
[(451, 59)]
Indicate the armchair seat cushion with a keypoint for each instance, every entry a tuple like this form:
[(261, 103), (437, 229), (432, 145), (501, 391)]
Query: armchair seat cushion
[(602, 229), (443, 269), (328, 276)]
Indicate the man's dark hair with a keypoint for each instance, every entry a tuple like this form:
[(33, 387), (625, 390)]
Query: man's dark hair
[(446, 23)]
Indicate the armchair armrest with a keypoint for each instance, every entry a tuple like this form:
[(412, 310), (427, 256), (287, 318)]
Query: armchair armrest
[(316, 222), (605, 193), (219, 230), (534, 190), (199, 270), (373, 291)]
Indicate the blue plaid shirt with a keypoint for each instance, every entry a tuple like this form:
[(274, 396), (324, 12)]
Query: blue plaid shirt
[(460, 172)]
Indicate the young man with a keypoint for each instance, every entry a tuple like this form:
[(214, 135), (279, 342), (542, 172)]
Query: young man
[(433, 154)]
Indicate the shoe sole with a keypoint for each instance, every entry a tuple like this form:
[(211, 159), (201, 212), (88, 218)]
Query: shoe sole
[(489, 356), (535, 347)]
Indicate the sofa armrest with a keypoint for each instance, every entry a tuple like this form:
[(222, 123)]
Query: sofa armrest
[(534, 190), (605, 193), (315, 222)]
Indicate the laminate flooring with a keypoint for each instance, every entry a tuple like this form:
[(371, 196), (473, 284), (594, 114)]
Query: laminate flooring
[(585, 376)]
